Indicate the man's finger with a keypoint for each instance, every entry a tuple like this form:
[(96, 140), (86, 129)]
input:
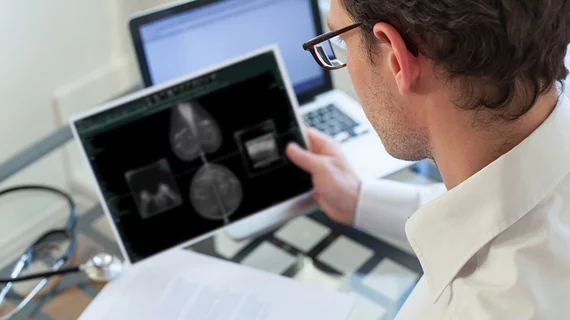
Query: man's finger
[(304, 159), (320, 142), (317, 196)]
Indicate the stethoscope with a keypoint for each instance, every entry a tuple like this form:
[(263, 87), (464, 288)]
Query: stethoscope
[(102, 267)]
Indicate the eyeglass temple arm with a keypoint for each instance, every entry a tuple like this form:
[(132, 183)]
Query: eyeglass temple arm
[(312, 43), (329, 35)]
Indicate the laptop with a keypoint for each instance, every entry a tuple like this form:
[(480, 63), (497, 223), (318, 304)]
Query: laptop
[(176, 162), (182, 38)]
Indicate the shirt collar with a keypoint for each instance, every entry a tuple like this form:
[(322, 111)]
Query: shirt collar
[(448, 231)]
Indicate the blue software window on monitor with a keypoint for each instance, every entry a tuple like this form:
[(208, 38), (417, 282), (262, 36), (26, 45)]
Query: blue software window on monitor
[(193, 40)]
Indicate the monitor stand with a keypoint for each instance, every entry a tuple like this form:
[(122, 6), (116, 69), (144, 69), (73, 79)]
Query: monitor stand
[(267, 220)]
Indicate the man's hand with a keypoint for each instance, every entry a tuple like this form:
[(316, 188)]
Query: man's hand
[(336, 185)]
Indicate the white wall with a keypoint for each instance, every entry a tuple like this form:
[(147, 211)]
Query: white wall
[(56, 54), (46, 44)]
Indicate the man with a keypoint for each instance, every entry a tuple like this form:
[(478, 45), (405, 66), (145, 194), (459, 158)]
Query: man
[(473, 86)]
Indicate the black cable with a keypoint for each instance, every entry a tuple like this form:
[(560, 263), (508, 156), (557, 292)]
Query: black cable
[(41, 275)]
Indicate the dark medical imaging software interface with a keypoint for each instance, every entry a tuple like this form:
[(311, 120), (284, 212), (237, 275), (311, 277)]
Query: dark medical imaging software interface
[(194, 157)]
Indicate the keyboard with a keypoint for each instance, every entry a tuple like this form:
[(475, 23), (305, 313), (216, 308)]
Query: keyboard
[(332, 121)]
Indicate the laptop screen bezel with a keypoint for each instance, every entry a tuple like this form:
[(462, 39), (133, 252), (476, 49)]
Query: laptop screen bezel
[(137, 22)]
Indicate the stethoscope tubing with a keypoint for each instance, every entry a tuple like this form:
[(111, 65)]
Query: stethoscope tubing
[(58, 265), (27, 257)]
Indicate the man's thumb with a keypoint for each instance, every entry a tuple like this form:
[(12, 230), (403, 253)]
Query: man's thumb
[(304, 159)]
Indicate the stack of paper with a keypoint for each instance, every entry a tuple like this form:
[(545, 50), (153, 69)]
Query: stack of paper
[(180, 284)]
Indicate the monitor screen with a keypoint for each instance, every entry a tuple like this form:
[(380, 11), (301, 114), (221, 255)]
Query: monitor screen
[(188, 41), (189, 159)]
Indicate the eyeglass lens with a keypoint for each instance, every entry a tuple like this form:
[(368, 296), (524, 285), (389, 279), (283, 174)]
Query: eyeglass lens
[(332, 53)]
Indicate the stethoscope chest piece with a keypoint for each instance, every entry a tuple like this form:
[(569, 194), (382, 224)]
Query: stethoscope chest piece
[(102, 267)]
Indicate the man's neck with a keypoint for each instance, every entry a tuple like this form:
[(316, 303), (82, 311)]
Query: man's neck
[(461, 153)]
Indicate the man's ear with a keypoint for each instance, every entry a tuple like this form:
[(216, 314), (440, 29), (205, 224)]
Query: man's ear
[(403, 64)]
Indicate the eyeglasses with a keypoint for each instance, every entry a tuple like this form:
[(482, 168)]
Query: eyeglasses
[(329, 50)]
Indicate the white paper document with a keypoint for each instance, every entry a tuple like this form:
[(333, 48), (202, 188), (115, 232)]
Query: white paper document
[(183, 285)]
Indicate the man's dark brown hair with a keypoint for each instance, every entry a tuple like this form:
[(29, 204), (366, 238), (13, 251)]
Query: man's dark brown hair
[(501, 52)]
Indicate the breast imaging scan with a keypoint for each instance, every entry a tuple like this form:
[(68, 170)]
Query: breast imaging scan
[(197, 156)]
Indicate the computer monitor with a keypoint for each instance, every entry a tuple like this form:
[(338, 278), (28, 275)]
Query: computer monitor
[(173, 41), (176, 162)]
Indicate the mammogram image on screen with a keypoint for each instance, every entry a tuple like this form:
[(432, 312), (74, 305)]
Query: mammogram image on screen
[(215, 192), (193, 131), (154, 189), (263, 151), (260, 149)]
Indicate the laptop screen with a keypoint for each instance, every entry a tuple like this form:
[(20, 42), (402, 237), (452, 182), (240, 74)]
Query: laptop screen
[(179, 163), (208, 32)]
